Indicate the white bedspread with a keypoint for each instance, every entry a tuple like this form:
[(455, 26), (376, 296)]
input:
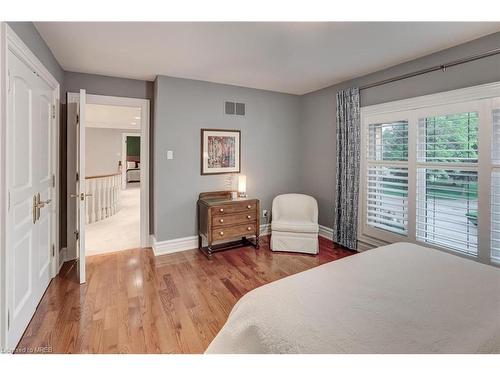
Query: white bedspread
[(400, 298)]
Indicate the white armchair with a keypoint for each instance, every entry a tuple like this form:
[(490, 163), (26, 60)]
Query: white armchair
[(294, 225)]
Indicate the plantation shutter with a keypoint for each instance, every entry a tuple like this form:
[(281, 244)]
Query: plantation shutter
[(447, 201), (387, 176), (495, 188)]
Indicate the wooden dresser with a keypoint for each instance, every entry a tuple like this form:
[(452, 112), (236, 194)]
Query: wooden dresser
[(221, 218)]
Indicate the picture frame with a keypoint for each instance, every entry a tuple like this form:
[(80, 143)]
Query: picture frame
[(220, 151)]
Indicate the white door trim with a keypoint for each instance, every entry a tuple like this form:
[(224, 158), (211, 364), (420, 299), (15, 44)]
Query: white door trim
[(10, 41), (144, 105)]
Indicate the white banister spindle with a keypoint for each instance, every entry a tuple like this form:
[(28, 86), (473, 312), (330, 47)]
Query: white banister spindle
[(104, 197)]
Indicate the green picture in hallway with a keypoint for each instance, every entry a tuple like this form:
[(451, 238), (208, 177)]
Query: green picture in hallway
[(133, 146)]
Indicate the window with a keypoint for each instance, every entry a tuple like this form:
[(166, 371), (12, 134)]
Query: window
[(447, 197), (387, 193), (424, 178)]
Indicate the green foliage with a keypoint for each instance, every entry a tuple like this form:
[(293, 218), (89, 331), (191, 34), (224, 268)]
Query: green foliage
[(443, 139)]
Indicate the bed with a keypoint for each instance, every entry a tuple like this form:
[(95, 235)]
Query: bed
[(400, 298), (133, 175), (133, 172)]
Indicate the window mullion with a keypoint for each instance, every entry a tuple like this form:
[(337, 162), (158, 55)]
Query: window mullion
[(412, 172)]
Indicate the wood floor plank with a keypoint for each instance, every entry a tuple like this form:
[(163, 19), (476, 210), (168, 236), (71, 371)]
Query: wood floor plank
[(134, 302)]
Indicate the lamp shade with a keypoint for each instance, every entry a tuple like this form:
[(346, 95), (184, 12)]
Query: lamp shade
[(242, 184)]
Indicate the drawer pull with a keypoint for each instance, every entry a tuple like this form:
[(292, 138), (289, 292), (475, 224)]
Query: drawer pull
[(221, 233), (249, 206), (221, 210), (221, 220), (249, 228), (249, 217)]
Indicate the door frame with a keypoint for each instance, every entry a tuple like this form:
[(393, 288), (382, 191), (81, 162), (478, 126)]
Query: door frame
[(144, 134), (10, 41)]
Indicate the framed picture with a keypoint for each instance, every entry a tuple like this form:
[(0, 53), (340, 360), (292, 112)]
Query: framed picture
[(220, 151)]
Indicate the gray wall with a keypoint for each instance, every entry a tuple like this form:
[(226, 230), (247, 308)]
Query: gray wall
[(318, 108), (288, 141), (103, 150), (270, 139), (112, 86)]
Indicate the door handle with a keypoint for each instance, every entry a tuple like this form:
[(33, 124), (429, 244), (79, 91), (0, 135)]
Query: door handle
[(74, 195), (41, 204), (37, 205), (34, 208)]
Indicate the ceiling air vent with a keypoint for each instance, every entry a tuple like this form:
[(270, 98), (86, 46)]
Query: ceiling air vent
[(232, 108)]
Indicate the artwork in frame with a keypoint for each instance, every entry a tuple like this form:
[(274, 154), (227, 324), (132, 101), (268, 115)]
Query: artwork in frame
[(220, 151)]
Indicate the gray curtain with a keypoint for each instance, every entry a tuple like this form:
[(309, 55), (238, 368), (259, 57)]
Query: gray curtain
[(345, 224)]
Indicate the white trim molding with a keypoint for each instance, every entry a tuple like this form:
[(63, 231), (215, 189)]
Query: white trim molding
[(326, 232), (265, 229), (191, 243), (144, 104), (187, 243), (489, 90), (174, 246)]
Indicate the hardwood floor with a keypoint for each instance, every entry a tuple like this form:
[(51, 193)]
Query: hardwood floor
[(134, 302)]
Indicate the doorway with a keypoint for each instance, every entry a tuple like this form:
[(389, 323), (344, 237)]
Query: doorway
[(115, 178)]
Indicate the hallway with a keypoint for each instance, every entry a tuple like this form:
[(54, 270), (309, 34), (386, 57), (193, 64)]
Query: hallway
[(120, 231)]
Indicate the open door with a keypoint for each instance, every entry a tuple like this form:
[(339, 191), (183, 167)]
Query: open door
[(80, 169), (76, 180)]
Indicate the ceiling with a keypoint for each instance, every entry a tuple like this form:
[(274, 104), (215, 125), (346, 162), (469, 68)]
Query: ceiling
[(112, 117), (291, 57)]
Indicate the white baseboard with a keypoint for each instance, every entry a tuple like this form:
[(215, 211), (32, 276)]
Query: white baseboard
[(187, 243), (265, 229), (62, 257), (326, 232), (174, 246), (191, 242)]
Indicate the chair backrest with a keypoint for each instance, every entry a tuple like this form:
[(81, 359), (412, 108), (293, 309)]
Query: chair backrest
[(295, 207)]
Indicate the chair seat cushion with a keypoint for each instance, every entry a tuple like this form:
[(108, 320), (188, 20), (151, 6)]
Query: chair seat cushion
[(295, 226)]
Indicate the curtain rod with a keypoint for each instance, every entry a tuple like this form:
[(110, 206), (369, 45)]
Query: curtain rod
[(442, 67)]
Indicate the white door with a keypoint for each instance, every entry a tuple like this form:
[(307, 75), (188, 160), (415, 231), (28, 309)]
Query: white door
[(29, 181), (80, 169)]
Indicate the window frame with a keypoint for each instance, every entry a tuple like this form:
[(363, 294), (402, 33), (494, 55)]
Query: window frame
[(493, 167), (481, 99)]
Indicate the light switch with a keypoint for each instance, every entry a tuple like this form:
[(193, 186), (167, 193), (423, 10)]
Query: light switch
[(170, 155)]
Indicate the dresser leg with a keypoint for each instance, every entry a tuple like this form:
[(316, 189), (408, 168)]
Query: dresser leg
[(207, 251), (257, 242)]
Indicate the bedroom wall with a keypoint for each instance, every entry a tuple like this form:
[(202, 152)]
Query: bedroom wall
[(270, 138), (318, 143), (103, 150)]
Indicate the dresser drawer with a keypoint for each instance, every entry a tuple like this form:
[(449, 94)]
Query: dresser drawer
[(233, 219), (234, 231), (234, 207)]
